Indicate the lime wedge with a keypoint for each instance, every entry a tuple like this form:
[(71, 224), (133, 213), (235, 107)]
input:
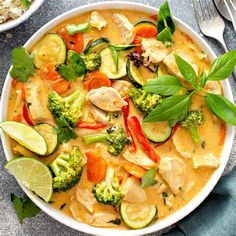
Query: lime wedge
[(26, 136), (33, 174)]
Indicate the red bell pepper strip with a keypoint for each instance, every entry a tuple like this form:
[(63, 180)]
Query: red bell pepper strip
[(23, 93), (26, 115), (90, 125), (135, 126), (125, 111), (174, 129)]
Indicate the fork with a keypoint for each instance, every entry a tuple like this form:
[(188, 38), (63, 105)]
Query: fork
[(210, 22)]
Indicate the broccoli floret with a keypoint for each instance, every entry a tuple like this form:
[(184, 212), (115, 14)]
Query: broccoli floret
[(144, 100), (115, 137), (66, 108), (67, 169), (194, 118), (108, 192), (92, 61)]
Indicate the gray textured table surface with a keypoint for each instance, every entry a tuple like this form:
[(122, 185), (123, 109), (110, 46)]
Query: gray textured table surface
[(43, 224)]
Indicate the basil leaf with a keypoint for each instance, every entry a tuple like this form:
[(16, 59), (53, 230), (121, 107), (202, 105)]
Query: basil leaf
[(172, 109), (165, 85), (165, 18), (124, 47), (114, 55), (203, 79), (165, 36), (80, 28), (222, 66), (26, 3), (221, 107), (187, 71), (148, 178)]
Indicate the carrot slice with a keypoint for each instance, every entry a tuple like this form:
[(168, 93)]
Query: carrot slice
[(138, 40), (146, 31), (133, 169), (96, 167), (23, 93), (96, 79), (14, 83), (73, 42), (60, 86), (48, 72)]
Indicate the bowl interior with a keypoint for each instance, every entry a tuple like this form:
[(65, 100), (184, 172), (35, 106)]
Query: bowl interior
[(181, 213), (15, 22)]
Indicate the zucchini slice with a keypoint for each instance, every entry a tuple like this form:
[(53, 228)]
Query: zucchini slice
[(108, 65), (157, 131), (144, 22), (51, 48), (138, 76), (137, 216), (50, 137), (96, 45)]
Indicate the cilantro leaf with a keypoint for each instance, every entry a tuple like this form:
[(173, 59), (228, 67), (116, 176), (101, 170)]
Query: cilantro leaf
[(64, 131), (23, 66), (26, 3), (24, 207), (148, 178), (75, 68)]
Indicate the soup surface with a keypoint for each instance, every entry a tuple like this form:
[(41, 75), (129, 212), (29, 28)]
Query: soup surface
[(184, 166)]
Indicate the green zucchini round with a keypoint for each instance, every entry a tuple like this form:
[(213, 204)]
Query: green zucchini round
[(47, 131), (136, 216), (157, 131), (96, 45)]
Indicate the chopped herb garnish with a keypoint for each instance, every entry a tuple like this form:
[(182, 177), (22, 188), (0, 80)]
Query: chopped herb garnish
[(116, 221), (62, 206), (148, 178), (24, 207), (203, 144)]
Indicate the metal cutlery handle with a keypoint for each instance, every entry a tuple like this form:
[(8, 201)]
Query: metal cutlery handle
[(222, 41), (232, 11)]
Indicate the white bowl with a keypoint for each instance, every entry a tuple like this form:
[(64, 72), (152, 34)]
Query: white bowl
[(173, 218), (17, 21)]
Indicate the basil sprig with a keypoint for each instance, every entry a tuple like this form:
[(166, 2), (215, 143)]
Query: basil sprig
[(164, 85), (176, 108), (165, 24), (115, 56)]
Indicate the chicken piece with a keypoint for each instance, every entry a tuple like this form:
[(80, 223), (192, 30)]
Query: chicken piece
[(86, 198), (97, 20), (134, 193), (87, 38), (36, 96), (154, 51), (107, 99), (171, 65), (172, 169), (205, 160), (127, 31), (79, 212), (122, 87), (213, 87), (102, 219)]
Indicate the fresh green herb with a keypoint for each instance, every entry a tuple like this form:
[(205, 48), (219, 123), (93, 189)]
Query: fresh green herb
[(23, 66), (172, 109), (64, 131), (165, 17), (222, 66), (164, 195), (115, 56), (165, 85), (26, 3), (203, 144), (62, 206), (75, 68), (165, 24), (148, 178), (221, 107), (116, 221), (24, 207), (203, 79), (187, 71), (80, 28)]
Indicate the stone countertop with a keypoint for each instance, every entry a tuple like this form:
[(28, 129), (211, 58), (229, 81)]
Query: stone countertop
[(42, 224)]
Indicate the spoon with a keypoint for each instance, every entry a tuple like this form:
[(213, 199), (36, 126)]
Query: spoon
[(222, 9)]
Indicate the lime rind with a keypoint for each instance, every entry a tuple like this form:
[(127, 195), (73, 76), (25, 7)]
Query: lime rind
[(26, 136), (33, 174)]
